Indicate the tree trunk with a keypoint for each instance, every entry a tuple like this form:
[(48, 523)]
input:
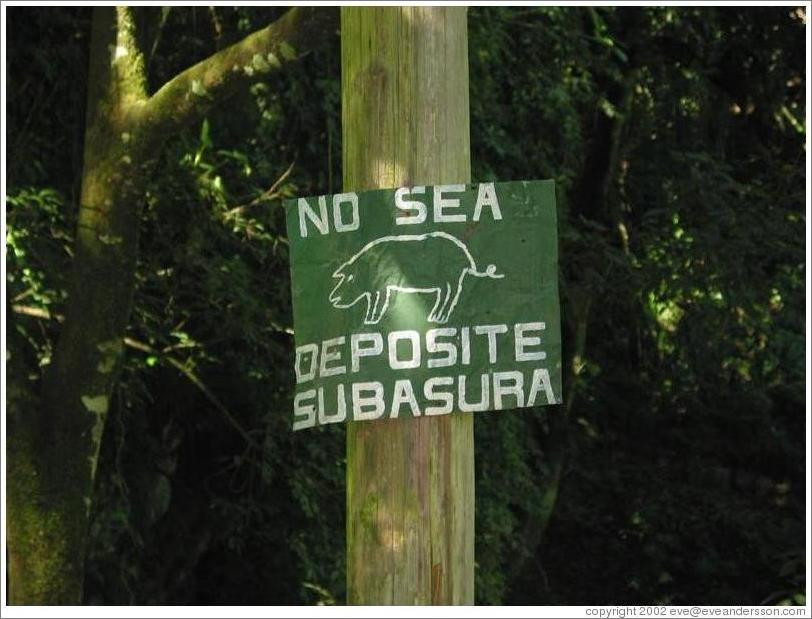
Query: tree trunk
[(54, 442), (53, 447), (410, 482)]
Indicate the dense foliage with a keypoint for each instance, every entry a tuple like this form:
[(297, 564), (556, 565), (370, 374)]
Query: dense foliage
[(673, 473)]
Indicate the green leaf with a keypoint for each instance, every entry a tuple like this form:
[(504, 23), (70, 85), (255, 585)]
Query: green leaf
[(205, 135), (287, 50)]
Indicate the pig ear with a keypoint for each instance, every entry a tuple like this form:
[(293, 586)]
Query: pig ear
[(338, 272)]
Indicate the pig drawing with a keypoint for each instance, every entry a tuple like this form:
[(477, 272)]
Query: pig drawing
[(399, 264)]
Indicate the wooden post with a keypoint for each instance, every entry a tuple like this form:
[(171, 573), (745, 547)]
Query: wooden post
[(410, 482)]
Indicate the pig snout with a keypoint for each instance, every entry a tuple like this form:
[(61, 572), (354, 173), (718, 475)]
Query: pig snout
[(335, 294), (345, 292)]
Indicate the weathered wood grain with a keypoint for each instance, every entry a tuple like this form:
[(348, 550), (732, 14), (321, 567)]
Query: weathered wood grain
[(410, 482)]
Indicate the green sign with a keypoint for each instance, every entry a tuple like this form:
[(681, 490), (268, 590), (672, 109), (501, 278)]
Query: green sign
[(424, 301)]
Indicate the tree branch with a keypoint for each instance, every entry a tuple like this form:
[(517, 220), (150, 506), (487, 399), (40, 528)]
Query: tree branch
[(36, 312), (188, 96), (266, 196), (128, 58), (195, 380)]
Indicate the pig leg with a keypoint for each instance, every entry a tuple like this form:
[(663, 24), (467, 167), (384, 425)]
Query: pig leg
[(453, 295), (446, 305), (373, 300), (379, 301), (438, 305)]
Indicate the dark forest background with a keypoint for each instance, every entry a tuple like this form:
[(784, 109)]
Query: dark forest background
[(674, 473)]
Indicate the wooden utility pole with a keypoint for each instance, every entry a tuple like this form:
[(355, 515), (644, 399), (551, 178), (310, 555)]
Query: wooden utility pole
[(410, 482)]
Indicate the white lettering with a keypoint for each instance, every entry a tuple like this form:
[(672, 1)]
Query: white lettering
[(522, 340), (301, 351), (465, 345), (491, 331), (320, 221), (373, 403), (408, 364), (357, 351), (441, 203), (410, 205), (447, 348), (338, 200), (487, 197), (341, 407), (327, 357), (304, 415), (501, 388), (541, 380), (404, 393), (482, 405), (442, 396)]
